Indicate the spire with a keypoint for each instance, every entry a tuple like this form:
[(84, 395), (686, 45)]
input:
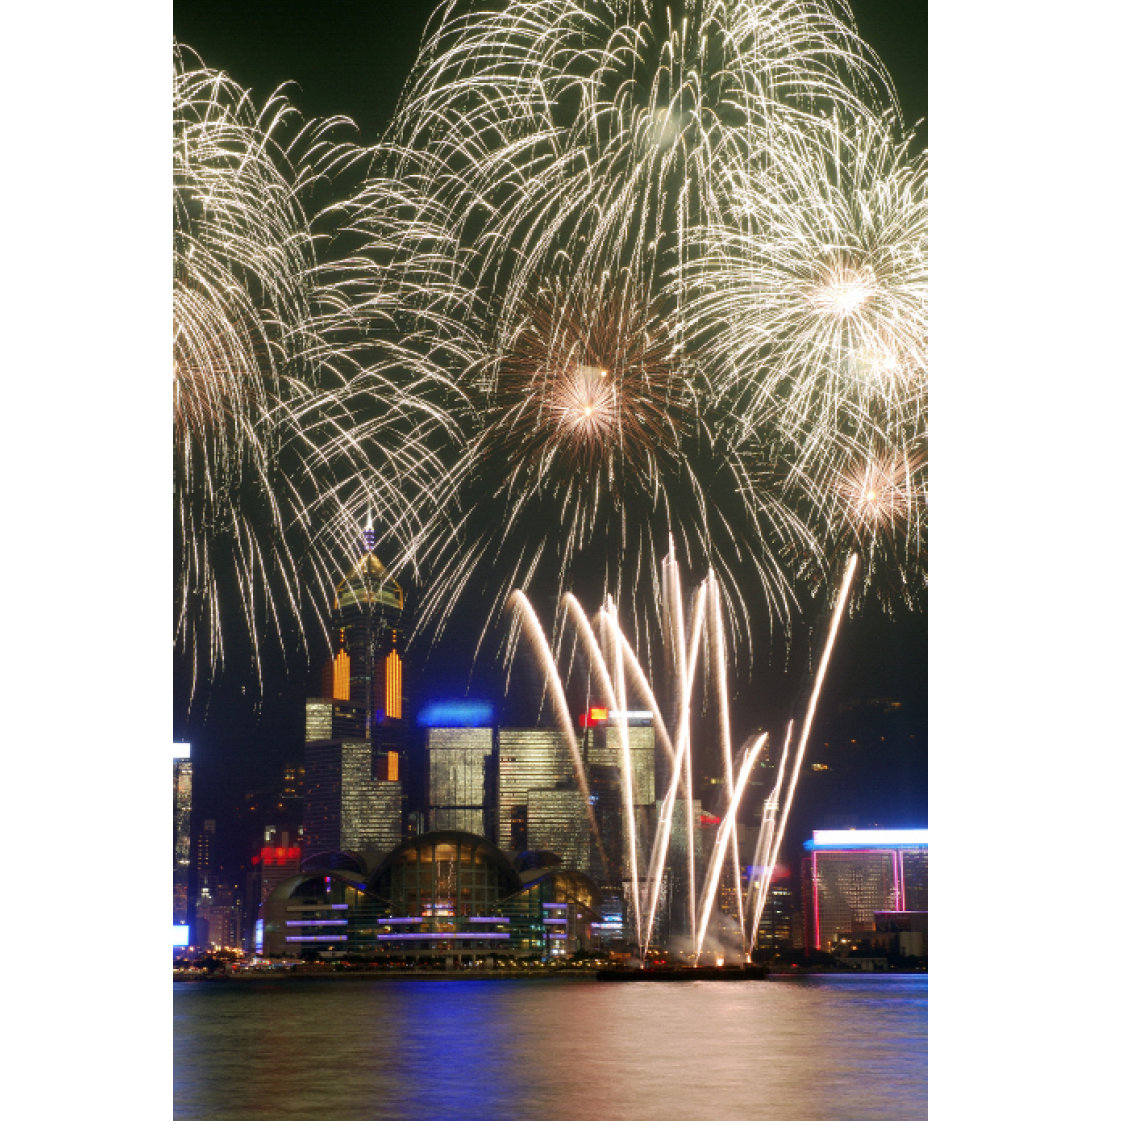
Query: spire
[(369, 533)]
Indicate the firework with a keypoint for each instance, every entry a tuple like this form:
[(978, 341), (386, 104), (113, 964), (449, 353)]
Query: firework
[(288, 423), (590, 443), (813, 292), (587, 162)]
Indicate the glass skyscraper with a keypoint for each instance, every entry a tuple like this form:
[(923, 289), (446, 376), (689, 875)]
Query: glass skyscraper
[(346, 808), (557, 821), (527, 760), (368, 617), (458, 778)]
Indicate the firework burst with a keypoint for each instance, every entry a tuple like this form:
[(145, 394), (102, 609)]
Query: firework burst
[(576, 151), (812, 297), (294, 413)]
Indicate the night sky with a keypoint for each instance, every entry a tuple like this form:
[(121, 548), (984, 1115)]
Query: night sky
[(351, 58)]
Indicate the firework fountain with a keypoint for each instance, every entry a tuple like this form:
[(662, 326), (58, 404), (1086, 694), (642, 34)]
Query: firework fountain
[(618, 674)]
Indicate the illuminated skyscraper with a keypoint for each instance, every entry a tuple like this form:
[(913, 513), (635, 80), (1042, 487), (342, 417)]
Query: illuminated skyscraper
[(557, 821), (368, 619), (850, 875), (346, 808), (181, 830), (458, 781), (527, 760)]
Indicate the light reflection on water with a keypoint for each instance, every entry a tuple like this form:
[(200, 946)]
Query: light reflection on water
[(813, 1048)]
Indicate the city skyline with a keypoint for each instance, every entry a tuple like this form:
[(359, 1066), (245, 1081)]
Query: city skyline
[(242, 739), (245, 739)]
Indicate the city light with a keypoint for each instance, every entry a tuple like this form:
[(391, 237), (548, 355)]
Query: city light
[(869, 837), (456, 713)]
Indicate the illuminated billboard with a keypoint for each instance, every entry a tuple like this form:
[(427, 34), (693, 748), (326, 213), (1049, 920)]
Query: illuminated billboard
[(180, 937), (180, 751)]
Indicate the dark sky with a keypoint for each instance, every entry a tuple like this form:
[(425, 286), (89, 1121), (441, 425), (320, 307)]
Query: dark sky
[(350, 57)]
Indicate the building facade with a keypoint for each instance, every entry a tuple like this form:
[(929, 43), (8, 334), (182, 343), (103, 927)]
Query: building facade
[(850, 876), (459, 781), (181, 835), (441, 896), (527, 760), (345, 806)]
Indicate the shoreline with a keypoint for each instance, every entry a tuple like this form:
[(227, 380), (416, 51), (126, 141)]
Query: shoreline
[(446, 975)]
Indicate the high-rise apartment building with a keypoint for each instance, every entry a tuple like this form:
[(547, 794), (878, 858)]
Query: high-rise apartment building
[(181, 831), (459, 779), (849, 876)]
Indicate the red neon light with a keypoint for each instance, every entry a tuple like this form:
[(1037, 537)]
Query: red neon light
[(816, 904), (706, 818)]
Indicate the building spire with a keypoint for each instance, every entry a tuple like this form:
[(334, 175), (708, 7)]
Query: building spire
[(369, 533)]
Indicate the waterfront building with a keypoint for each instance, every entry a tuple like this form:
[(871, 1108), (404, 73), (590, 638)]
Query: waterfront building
[(459, 779), (776, 930), (902, 933), (526, 760), (345, 806), (443, 896), (849, 876), (181, 834)]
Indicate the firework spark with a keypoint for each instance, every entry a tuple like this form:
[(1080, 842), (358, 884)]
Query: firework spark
[(602, 170), (284, 427)]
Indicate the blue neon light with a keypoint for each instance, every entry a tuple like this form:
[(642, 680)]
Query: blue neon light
[(456, 713)]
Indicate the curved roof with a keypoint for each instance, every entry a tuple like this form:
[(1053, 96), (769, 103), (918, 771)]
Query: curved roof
[(287, 887), (448, 836), (368, 583)]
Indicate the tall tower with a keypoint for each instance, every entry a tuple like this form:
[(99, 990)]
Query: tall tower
[(369, 623), (355, 732), (181, 831)]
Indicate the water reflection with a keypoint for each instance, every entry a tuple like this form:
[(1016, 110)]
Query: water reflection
[(827, 1048)]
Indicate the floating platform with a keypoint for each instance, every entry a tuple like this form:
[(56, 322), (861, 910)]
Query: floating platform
[(705, 972)]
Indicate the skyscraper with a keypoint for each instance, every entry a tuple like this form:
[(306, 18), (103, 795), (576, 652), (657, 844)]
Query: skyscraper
[(346, 808), (181, 830), (458, 779), (557, 821), (527, 760), (369, 622)]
